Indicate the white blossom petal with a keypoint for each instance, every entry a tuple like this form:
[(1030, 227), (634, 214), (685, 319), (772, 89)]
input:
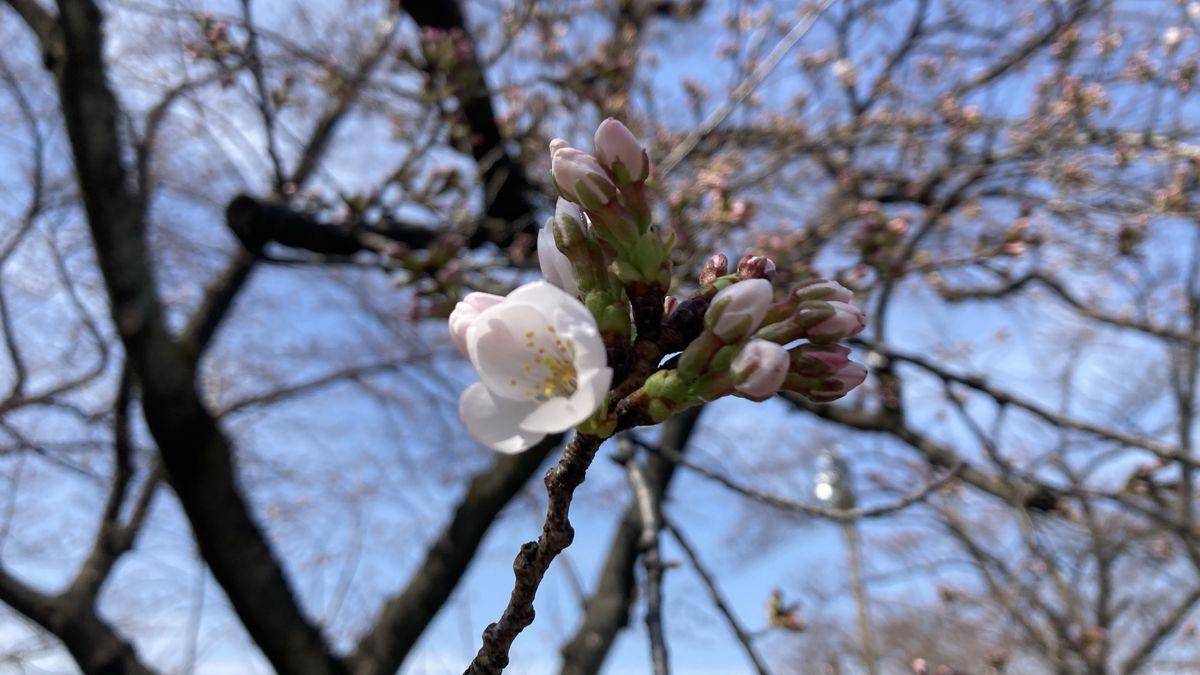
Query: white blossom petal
[(542, 368), (465, 312), (497, 343), (492, 421), (556, 267), (561, 308)]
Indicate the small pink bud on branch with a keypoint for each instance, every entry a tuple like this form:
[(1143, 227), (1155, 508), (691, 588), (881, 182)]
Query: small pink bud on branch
[(620, 152), (716, 266), (759, 369)]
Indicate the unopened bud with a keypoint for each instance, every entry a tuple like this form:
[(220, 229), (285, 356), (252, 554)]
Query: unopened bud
[(619, 151), (847, 321), (716, 266), (823, 289), (823, 373), (737, 311), (759, 369), (756, 267), (569, 216), (579, 177)]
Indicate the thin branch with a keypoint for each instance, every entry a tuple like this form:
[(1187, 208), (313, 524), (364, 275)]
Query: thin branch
[(1164, 450), (405, 616), (744, 89), (959, 294), (607, 610), (794, 506), (264, 103), (535, 556), (1154, 639), (649, 513), (714, 593)]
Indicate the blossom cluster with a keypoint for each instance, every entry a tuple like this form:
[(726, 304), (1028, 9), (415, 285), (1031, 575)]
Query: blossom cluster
[(591, 346)]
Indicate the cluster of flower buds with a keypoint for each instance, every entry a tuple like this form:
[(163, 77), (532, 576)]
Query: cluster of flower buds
[(743, 347), (585, 350)]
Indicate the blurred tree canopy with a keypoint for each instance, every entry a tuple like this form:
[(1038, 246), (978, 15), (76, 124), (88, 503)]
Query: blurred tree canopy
[(231, 232)]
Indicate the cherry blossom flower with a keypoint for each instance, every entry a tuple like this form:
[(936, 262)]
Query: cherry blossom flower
[(541, 364)]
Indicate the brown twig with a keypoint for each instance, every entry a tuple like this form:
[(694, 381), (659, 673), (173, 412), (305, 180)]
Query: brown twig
[(535, 556)]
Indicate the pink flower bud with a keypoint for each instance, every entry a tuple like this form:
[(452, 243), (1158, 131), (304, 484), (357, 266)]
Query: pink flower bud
[(715, 266), (847, 321), (829, 388), (756, 267), (819, 361), (759, 369), (579, 177), (823, 289), (465, 312), (738, 310), (619, 150)]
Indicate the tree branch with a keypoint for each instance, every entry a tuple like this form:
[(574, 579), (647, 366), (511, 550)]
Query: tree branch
[(607, 611), (646, 500), (195, 453), (718, 600), (405, 616), (506, 187), (535, 556)]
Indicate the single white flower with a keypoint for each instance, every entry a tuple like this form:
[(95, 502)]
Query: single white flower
[(542, 368), (556, 266)]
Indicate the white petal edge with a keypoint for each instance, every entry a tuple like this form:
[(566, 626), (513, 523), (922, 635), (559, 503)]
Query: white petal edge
[(493, 421), (559, 307)]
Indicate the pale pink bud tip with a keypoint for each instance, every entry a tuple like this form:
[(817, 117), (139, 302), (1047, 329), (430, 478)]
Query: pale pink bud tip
[(737, 311), (759, 369), (847, 321), (579, 177), (619, 150)]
